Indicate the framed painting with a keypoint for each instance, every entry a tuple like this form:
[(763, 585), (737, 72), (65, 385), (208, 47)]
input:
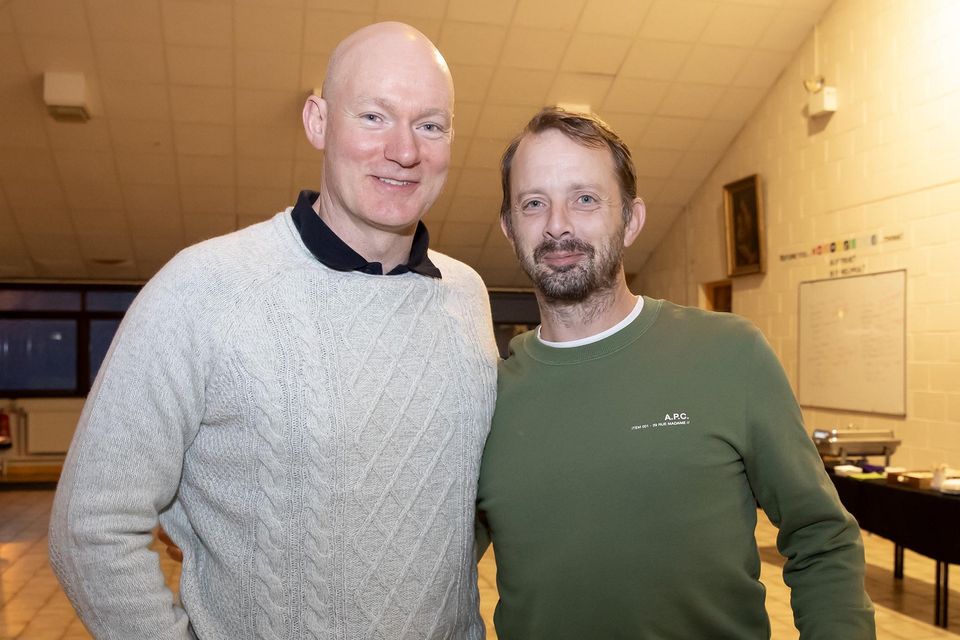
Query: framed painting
[(743, 212)]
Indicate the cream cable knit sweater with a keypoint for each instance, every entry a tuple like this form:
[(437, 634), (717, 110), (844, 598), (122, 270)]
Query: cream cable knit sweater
[(311, 439)]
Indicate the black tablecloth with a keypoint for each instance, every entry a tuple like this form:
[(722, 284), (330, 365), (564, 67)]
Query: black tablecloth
[(924, 521)]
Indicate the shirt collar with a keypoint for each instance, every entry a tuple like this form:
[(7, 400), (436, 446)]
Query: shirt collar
[(328, 248)]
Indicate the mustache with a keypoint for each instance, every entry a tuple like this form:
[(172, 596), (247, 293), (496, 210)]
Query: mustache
[(568, 245)]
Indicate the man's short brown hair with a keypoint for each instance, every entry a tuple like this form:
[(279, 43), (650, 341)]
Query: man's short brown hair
[(588, 130)]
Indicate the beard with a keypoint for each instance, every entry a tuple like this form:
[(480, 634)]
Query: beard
[(574, 282)]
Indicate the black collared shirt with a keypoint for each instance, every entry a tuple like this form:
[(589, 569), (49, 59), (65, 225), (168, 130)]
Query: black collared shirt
[(329, 249)]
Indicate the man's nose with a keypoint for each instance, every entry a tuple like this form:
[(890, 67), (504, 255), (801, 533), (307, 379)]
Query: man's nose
[(402, 147), (559, 222)]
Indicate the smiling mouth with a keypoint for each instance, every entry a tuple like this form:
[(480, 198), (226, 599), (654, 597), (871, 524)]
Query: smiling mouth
[(395, 183)]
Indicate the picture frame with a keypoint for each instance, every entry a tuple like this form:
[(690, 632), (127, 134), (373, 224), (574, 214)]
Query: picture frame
[(746, 238)]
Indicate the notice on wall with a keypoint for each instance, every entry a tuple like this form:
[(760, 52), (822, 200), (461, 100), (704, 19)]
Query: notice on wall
[(852, 348)]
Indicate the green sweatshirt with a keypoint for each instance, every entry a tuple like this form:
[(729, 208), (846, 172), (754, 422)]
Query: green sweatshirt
[(620, 479)]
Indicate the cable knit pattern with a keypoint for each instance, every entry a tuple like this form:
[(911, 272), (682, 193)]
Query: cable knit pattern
[(311, 438)]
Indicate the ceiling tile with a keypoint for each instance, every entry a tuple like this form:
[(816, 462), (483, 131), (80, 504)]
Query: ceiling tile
[(93, 195), (484, 209), (145, 136), (267, 142), (477, 183), (465, 118), (501, 122), (471, 82), (594, 53), (267, 70), (696, 165), (487, 12), (146, 168), (467, 255), (215, 171), (788, 30), (127, 270), (158, 246), (325, 29), (43, 195), (261, 203), (467, 234), (677, 192), (579, 88), (655, 60), (143, 198), (165, 224), (13, 62), (264, 173), (201, 66), (26, 165), (458, 150), (53, 246), (91, 135), (358, 6), (671, 133), (136, 20), (656, 163), (418, 8), (313, 69), (33, 220), (6, 20), (137, 61), (28, 134), (208, 105), (761, 68), (677, 20), (135, 100), (629, 126), (613, 17), (485, 153), (208, 200), (738, 103), (737, 25), (629, 95), (105, 246), (476, 44), (198, 23), (717, 134), (548, 14), (688, 100), (710, 64), (429, 26), (203, 139), (276, 108), (85, 166), (521, 87), (59, 54), (200, 227), (534, 49), (60, 18), (267, 28)]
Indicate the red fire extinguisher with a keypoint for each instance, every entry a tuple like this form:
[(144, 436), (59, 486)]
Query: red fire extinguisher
[(6, 440)]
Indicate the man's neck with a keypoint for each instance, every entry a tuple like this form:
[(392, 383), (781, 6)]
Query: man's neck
[(562, 321), (388, 247)]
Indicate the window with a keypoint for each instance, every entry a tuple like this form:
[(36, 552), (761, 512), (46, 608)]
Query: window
[(53, 338)]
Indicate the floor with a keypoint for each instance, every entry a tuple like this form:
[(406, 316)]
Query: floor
[(33, 607)]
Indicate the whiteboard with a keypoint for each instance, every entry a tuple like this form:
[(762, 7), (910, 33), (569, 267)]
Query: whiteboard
[(853, 343)]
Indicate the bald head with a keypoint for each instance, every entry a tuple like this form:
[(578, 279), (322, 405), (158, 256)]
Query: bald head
[(395, 42)]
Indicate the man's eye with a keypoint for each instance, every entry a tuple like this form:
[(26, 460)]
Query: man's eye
[(586, 199), (371, 117), (533, 204)]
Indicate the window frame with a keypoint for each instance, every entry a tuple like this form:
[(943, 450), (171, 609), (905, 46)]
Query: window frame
[(83, 317)]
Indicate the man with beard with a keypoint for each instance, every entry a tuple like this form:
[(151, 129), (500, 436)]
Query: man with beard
[(633, 437), (302, 403)]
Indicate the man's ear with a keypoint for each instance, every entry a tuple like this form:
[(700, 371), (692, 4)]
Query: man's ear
[(315, 121), (507, 231), (638, 215)]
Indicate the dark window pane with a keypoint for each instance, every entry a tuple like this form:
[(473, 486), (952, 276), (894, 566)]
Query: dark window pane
[(109, 300), (101, 335), (38, 354), (39, 300)]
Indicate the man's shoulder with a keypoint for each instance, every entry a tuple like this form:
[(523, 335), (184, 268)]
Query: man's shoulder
[(678, 317), (458, 274)]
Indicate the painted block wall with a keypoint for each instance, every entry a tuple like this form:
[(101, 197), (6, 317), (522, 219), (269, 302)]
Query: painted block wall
[(887, 163)]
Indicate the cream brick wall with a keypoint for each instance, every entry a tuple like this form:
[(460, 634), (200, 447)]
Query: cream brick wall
[(887, 162)]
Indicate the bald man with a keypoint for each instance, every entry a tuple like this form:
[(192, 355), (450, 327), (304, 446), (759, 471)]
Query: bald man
[(302, 403)]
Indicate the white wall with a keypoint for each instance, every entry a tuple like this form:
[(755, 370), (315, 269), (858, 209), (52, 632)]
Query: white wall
[(887, 162)]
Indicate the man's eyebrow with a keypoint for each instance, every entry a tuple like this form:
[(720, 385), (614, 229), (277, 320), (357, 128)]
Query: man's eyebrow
[(577, 186), (389, 105)]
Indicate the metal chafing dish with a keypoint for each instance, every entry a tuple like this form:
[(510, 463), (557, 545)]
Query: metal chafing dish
[(845, 443)]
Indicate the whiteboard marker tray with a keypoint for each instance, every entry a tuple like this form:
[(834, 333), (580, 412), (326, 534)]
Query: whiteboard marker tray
[(850, 442)]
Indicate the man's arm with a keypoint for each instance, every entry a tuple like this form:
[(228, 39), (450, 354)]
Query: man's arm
[(820, 540), (124, 466)]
